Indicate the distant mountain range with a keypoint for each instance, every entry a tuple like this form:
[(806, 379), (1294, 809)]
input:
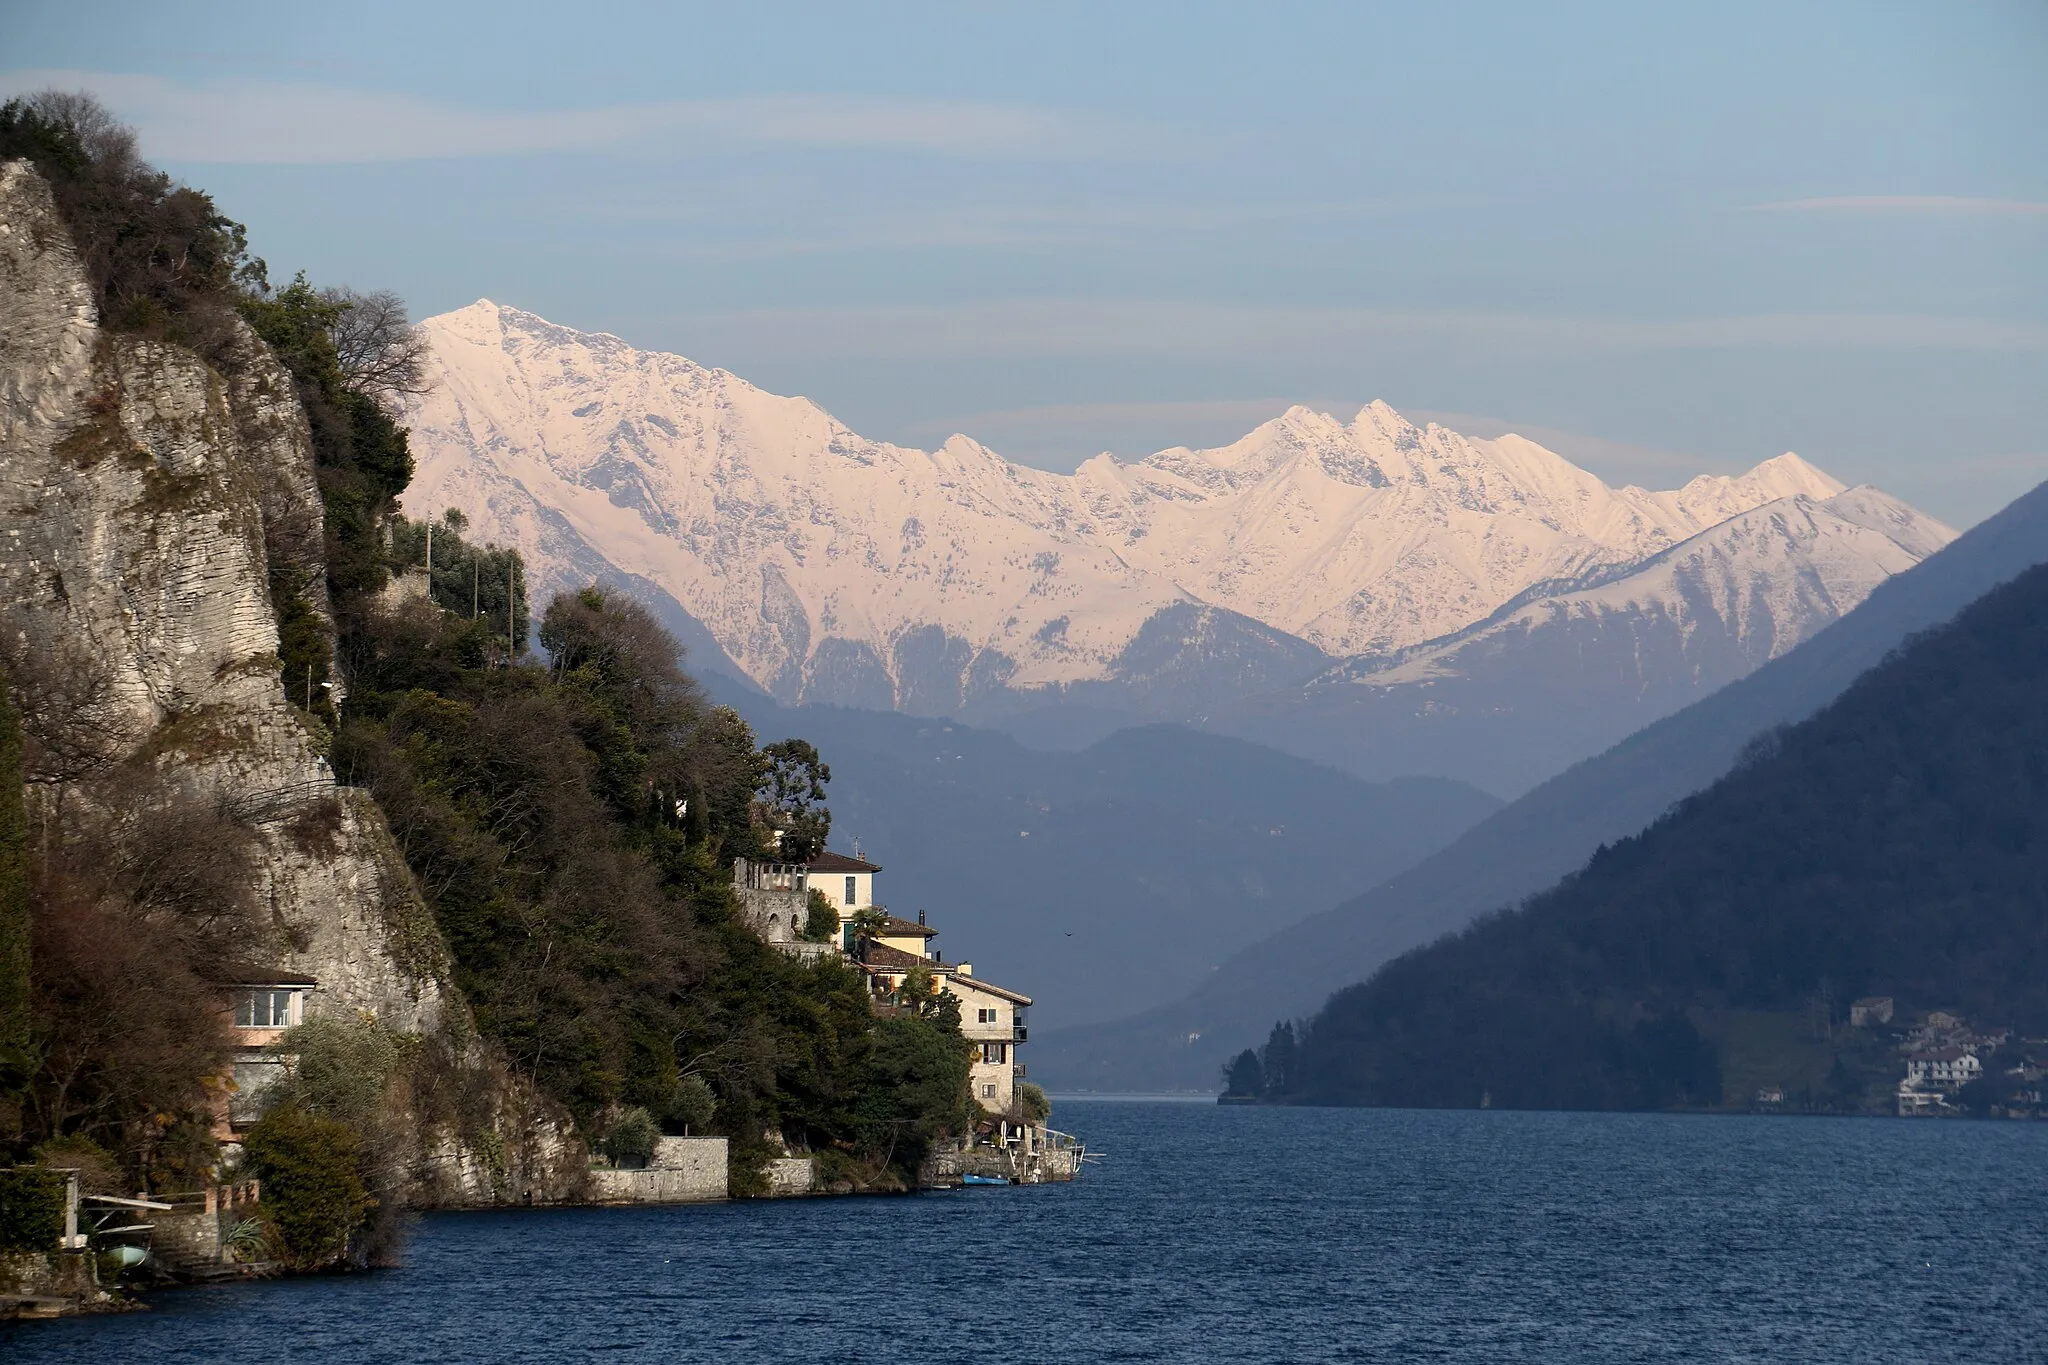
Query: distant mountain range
[(1550, 832), (1891, 845), (1391, 598)]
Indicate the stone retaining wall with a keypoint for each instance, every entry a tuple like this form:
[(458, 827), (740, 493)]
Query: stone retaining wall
[(683, 1171)]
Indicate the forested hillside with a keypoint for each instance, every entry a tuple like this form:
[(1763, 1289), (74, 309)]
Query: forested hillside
[(1896, 843)]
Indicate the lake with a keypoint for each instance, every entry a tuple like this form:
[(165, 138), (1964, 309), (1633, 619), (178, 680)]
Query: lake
[(1232, 1234)]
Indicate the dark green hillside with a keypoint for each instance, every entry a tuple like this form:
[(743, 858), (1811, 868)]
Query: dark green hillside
[(1896, 843)]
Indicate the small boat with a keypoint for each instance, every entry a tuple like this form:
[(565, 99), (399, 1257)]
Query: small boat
[(972, 1179)]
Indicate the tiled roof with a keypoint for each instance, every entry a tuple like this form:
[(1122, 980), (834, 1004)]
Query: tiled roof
[(895, 927), (895, 959), (839, 862), (975, 983), (880, 957)]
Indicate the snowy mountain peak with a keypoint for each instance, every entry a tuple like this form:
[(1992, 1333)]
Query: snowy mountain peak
[(830, 566)]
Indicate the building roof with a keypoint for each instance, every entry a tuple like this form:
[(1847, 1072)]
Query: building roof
[(255, 976), (875, 954), (829, 861), (880, 957), (977, 984), (897, 927)]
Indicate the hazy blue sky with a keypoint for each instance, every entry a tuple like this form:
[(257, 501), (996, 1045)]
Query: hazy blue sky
[(1662, 238)]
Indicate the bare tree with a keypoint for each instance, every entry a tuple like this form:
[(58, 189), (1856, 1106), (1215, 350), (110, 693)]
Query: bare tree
[(382, 354), (107, 141), (72, 715)]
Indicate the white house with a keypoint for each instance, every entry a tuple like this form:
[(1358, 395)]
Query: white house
[(1947, 1068)]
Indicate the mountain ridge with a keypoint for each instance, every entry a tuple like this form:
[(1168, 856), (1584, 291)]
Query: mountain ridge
[(828, 567)]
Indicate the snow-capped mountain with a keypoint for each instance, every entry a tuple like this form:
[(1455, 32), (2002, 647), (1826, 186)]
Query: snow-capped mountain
[(1561, 674), (1392, 598), (1737, 594), (1378, 534), (825, 566)]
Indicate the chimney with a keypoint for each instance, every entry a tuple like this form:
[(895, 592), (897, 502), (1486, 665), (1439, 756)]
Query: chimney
[(920, 919)]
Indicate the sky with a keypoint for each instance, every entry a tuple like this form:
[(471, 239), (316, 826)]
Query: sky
[(1662, 239)]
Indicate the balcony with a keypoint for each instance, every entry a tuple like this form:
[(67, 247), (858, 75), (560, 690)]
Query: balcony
[(1017, 1071), (1019, 1034)]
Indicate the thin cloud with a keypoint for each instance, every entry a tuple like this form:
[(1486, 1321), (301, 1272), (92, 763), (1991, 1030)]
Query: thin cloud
[(1077, 327), (264, 122), (1945, 205)]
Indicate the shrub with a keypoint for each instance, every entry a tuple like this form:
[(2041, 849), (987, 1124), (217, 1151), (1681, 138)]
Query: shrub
[(821, 923), (98, 1171), (1031, 1099), (161, 258), (31, 1208), (312, 1190), (631, 1138), (339, 1069), (694, 1105)]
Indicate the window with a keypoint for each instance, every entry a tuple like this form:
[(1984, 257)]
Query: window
[(988, 1092), (851, 887), (986, 1017), (265, 1008), (994, 1052)]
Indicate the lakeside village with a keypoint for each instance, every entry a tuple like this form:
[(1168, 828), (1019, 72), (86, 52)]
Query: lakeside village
[(214, 1233), (1945, 1067)]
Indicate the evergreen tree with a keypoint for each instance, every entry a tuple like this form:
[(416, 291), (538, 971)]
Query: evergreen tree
[(1244, 1076), (1277, 1060)]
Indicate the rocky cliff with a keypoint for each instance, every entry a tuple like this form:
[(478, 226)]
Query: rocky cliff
[(145, 495)]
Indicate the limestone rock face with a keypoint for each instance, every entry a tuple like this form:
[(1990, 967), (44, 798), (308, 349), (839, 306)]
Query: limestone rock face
[(145, 497), (139, 490)]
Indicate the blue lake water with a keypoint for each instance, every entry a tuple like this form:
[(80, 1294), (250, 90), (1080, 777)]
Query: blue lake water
[(1215, 1234)]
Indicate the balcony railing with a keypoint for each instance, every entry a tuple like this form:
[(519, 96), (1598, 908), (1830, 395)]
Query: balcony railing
[(1020, 1034), (1018, 1071)]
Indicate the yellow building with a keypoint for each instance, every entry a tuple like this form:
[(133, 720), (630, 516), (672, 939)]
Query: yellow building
[(992, 1017)]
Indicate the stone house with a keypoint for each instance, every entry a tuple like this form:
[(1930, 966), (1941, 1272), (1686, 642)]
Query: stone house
[(994, 1021), (773, 899), (1871, 1011)]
